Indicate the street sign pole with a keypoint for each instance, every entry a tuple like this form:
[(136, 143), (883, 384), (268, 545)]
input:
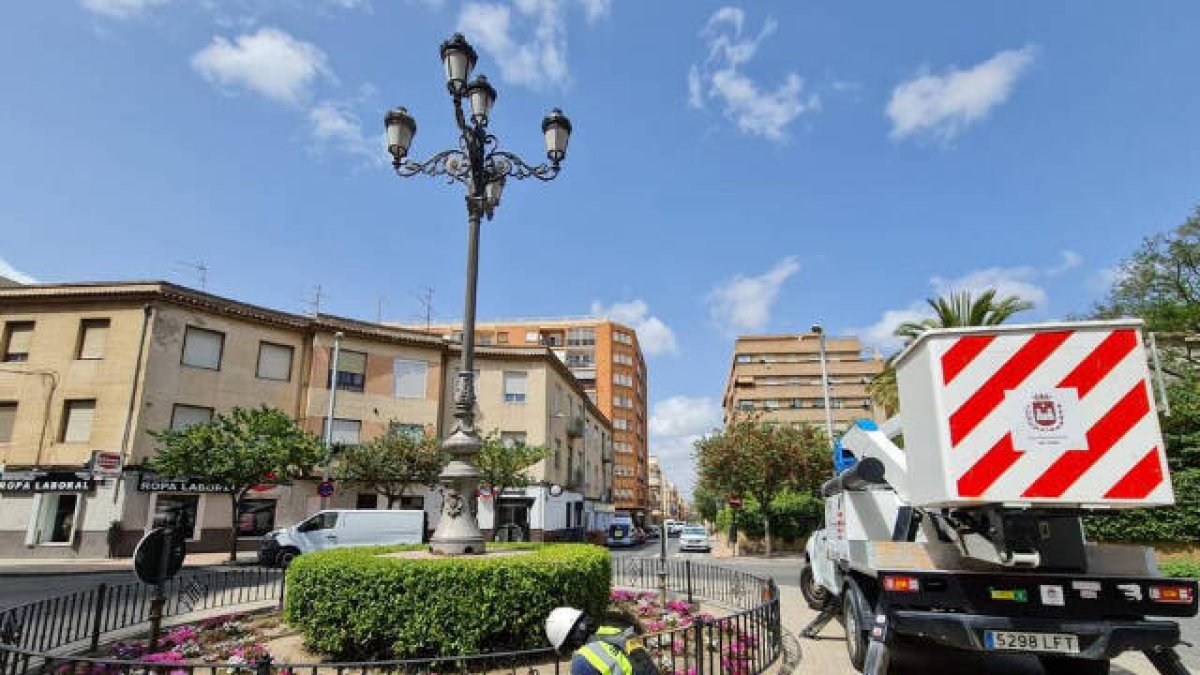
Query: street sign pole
[(662, 564)]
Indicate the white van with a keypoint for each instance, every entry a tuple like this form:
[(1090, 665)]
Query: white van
[(339, 528)]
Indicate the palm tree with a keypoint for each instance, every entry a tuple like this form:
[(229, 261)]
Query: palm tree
[(958, 309)]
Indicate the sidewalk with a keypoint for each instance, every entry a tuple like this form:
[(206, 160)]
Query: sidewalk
[(11, 567)]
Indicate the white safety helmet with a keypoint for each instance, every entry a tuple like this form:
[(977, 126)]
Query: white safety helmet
[(561, 623)]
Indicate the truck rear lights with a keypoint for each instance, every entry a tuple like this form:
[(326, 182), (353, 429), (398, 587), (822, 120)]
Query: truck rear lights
[(901, 584), (1178, 595)]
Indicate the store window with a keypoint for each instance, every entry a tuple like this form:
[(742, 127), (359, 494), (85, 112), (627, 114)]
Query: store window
[(56, 518), (256, 517), (181, 509), (366, 500)]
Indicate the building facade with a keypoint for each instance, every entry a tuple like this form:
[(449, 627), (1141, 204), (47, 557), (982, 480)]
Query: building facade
[(606, 358), (778, 377), (88, 370)]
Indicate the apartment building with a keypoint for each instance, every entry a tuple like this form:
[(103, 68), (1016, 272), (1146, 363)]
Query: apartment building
[(778, 377), (87, 370), (667, 503), (606, 358)]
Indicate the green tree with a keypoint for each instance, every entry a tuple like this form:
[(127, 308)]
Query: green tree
[(238, 450), (751, 458), (391, 463), (504, 465), (706, 503), (1160, 282), (954, 311)]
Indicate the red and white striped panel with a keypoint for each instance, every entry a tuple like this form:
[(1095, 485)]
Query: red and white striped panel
[(1115, 453)]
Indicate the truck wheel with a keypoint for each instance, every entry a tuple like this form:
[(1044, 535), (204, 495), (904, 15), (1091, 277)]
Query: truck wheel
[(286, 556), (1065, 665), (815, 595), (854, 605)]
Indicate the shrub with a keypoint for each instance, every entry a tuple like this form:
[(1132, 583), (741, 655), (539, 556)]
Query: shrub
[(357, 603), (1180, 568), (794, 515), (1180, 523)]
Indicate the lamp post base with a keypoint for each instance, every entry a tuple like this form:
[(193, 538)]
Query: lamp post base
[(458, 531)]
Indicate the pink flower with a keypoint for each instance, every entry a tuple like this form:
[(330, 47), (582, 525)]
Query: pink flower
[(618, 595), (654, 626), (679, 606), (163, 657)]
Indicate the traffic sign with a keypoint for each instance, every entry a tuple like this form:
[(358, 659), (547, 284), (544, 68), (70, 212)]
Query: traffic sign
[(735, 502), (325, 489), (159, 555)]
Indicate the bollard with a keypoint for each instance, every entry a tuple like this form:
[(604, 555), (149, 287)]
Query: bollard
[(97, 616)]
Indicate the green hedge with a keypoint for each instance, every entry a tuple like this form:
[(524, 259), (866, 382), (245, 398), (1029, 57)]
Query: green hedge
[(1180, 568), (356, 603), (1180, 523)]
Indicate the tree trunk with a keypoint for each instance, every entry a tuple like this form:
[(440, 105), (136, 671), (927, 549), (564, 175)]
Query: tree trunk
[(767, 531), (391, 500), (235, 498)]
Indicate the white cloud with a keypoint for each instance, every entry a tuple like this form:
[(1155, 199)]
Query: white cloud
[(944, 105), (269, 62), (1070, 260), (1018, 281), (595, 10), (881, 334), (743, 304), (10, 272), (756, 110), (528, 39), (335, 125), (654, 336), (120, 9), (676, 424)]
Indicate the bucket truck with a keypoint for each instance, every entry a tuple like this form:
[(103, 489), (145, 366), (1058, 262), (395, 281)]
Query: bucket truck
[(958, 522)]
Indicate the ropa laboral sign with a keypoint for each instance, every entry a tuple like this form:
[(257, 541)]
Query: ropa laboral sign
[(152, 483)]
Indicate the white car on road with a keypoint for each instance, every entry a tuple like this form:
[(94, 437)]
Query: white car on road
[(694, 538)]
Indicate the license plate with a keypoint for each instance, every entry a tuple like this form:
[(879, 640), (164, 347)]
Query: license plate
[(1022, 641)]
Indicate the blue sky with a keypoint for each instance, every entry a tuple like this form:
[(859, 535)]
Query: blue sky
[(734, 167)]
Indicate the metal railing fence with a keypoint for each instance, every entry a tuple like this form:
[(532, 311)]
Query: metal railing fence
[(746, 642)]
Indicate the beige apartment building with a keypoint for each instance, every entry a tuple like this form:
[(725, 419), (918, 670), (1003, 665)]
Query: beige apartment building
[(667, 504), (86, 370), (606, 359), (778, 377)]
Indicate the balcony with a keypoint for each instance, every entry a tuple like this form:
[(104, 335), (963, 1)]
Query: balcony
[(575, 426)]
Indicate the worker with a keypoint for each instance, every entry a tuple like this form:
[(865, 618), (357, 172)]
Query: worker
[(603, 651)]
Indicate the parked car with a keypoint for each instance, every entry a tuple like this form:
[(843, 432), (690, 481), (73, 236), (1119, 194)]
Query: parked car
[(694, 538), (621, 532), (654, 533), (338, 528), (674, 527)]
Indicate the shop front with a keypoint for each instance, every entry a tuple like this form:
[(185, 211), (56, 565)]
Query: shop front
[(59, 513)]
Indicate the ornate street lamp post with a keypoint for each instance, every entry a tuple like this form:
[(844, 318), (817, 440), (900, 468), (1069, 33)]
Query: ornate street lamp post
[(482, 168)]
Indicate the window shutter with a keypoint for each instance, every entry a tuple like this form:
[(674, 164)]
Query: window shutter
[(8, 417), (410, 378), (78, 425), (95, 335), (346, 431), (514, 383), (185, 416), (274, 361), (19, 338), (202, 348), (352, 362)]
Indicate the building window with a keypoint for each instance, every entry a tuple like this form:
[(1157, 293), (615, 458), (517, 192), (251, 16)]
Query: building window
[(202, 348), (184, 416), (179, 509), (352, 370), (8, 419), (274, 361), (581, 337), (533, 337), (514, 386), (412, 502), (502, 338), (93, 334), (623, 379), (512, 439), (77, 420), (366, 500), (484, 339), (56, 519), (17, 337), (413, 431), (345, 432), (410, 378), (256, 517), (621, 423)]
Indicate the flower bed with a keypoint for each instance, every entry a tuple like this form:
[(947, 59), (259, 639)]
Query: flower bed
[(229, 640), (669, 638)]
